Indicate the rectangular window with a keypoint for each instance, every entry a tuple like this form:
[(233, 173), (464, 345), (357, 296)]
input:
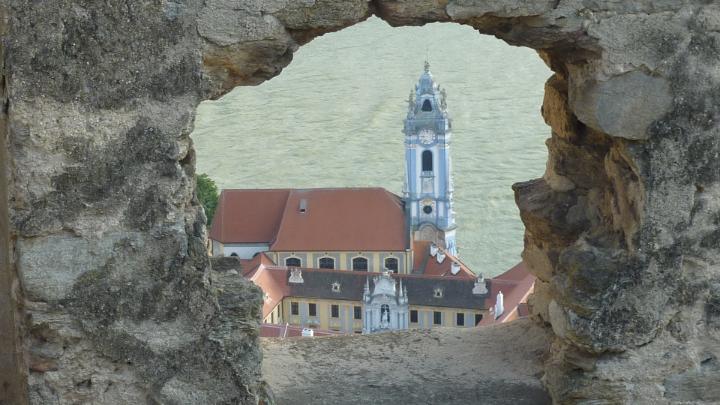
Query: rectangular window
[(294, 308), (478, 318), (460, 319), (335, 311), (312, 309), (358, 312), (413, 316), (437, 318), (360, 264)]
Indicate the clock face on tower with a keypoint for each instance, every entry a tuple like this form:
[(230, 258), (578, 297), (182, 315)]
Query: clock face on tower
[(428, 206), (426, 137)]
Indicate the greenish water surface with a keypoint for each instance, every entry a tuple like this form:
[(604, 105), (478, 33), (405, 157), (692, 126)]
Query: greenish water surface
[(333, 118)]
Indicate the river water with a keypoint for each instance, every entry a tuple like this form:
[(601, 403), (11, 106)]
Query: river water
[(333, 118)]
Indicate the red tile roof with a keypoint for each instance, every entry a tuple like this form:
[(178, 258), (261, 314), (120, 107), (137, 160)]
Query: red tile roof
[(444, 269), (274, 285), (421, 254), (516, 285), (349, 219), (359, 219), (250, 266), (248, 216), (425, 264)]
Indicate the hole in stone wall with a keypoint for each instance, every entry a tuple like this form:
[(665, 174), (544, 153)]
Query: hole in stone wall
[(334, 116)]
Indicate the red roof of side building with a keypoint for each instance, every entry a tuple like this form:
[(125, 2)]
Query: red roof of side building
[(516, 285), (342, 219), (250, 266), (248, 216), (425, 264), (421, 254), (274, 285), (349, 219)]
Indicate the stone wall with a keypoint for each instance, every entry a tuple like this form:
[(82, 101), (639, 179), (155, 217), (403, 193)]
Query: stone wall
[(623, 230), (498, 365), (109, 237)]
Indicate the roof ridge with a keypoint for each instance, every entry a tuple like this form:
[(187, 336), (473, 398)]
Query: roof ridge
[(460, 262), (426, 259), (282, 220)]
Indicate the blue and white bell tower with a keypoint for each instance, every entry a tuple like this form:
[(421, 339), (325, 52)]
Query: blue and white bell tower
[(428, 189)]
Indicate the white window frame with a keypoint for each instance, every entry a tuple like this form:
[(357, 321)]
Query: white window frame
[(352, 262), (293, 257), (327, 257)]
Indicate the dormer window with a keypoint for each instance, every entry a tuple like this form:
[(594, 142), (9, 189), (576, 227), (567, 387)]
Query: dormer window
[(438, 293), (427, 106), (335, 287)]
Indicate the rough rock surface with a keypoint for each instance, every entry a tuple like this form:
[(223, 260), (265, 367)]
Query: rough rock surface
[(107, 238), (497, 365)]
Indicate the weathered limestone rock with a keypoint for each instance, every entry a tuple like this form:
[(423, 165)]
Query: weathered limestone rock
[(108, 235), (108, 239), (439, 366)]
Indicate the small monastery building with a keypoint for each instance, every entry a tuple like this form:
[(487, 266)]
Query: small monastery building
[(364, 260)]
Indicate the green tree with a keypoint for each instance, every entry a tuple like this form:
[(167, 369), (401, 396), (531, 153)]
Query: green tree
[(207, 193)]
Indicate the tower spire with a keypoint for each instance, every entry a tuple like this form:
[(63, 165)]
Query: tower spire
[(428, 182)]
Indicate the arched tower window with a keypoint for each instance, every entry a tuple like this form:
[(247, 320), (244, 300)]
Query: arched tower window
[(427, 161), (293, 262), (391, 264), (427, 106), (327, 263), (360, 264)]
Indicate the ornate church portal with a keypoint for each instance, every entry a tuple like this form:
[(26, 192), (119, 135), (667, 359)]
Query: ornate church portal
[(385, 305)]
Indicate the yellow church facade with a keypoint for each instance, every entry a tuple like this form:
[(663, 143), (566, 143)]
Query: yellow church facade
[(346, 316)]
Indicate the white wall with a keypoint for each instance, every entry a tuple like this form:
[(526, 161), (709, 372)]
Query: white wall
[(244, 251)]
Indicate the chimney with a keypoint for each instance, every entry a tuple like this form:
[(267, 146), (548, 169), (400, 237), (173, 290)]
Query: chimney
[(440, 257), (303, 205), (499, 309)]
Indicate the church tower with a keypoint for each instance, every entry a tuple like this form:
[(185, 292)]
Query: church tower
[(428, 183)]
